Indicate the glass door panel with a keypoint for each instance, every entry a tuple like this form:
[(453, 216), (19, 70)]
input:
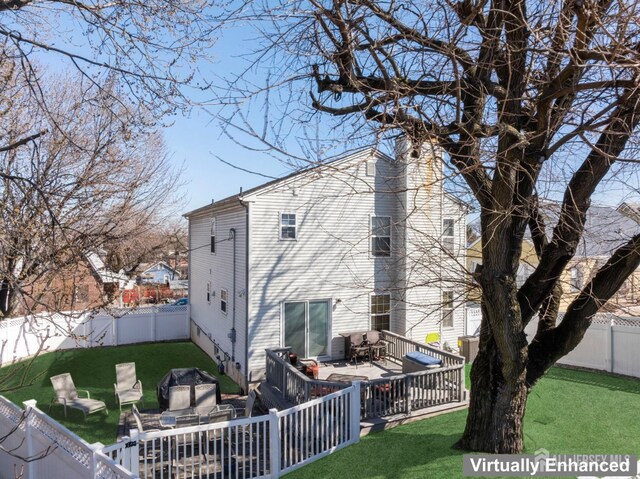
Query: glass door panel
[(318, 328), (295, 327)]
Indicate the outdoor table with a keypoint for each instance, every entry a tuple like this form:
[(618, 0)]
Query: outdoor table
[(168, 418)]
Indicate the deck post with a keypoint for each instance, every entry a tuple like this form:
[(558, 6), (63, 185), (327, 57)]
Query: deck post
[(408, 393), (355, 412)]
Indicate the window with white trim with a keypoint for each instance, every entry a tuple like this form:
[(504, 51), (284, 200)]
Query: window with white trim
[(213, 235), (370, 168), (380, 311), (381, 236), (448, 231), (223, 300), (288, 226), (447, 309)]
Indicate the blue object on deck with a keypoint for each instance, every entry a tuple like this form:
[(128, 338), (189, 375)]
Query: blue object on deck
[(424, 359)]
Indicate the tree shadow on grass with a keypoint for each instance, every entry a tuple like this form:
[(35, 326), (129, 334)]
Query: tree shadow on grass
[(394, 454)]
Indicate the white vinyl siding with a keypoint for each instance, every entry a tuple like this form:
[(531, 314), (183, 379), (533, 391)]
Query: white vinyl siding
[(209, 273)]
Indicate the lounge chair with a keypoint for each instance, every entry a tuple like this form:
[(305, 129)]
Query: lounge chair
[(128, 387), (67, 395)]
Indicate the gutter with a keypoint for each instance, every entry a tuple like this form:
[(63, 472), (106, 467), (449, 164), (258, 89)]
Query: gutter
[(232, 334)]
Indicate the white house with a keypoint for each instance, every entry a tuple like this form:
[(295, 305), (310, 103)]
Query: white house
[(363, 242)]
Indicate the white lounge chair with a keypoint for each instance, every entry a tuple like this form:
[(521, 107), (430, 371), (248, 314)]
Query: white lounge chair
[(128, 387), (67, 395)]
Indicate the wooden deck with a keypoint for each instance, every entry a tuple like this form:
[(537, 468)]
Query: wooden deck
[(373, 370)]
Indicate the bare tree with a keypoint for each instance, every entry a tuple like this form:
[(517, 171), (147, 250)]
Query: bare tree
[(147, 53), (514, 92), (88, 183)]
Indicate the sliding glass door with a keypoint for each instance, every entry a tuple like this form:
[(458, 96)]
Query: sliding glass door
[(306, 328)]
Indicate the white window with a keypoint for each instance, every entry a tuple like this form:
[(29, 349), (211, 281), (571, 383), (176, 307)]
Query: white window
[(448, 234), (288, 226), (380, 311), (223, 300), (371, 168), (576, 279), (447, 309), (381, 236), (473, 266), (213, 235)]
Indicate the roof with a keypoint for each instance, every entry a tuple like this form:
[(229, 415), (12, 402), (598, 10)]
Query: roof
[(98, 266), (156, 264), (605, 229), (237, 199), (330, 162)]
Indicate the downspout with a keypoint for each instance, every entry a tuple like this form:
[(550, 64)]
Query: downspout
[(232, 335), (246, 293)]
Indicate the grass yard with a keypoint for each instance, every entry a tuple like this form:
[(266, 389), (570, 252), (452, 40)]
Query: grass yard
[(94, 369), (569, 411)]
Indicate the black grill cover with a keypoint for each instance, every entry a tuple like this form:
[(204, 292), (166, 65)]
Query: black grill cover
[(183, 377)]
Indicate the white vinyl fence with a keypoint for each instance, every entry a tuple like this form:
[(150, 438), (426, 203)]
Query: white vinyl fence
[(24, 337), (612, 343), (246, 448), (40, 447)]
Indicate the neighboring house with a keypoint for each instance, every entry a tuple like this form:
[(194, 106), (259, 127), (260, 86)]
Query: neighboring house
[(159, 272), (605, 230), (85, 285), (528, 262), (363, 242)]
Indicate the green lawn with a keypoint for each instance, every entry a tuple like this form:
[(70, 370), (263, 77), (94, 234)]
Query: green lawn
[(568, 412), (94, 369)]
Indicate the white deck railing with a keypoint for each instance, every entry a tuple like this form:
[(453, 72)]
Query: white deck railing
[(38, 446), (397, 394), (256, 447)]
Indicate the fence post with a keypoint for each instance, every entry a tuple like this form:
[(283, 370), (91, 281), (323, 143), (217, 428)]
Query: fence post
[(29, 411), (462, 389), (611, 347), (131, 451), (274, 443), (355, 413), (95, 448)]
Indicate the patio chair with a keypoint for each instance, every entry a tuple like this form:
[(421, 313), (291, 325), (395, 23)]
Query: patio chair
[(205, 398), (67, 395), (378, 346), (153, 450), (128, 388), (359, 348), (184, 446), (179, 398)]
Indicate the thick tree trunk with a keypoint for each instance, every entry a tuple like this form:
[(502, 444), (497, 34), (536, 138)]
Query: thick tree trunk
[(496, 409)]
